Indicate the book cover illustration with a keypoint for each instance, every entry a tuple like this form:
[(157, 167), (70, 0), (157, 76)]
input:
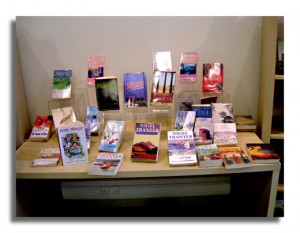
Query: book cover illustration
[(188, 66), (107, 93), (61, 88), (94, 118), (202, 110), (47, 157), (222, 112), (95, 68), (64, 115), (162, 61), (209, 156), (72, 143), (181, 148), (184, 121), (112, 136), (106, 164), (225, 134), (88, 134), (42, 127), (262, 153), (185, 100), (135, 90), (162, 88), (212, 81), (203, 130), (145, 145), (235, 157)]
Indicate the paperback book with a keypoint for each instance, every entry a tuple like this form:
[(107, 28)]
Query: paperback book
[(95, 68), (188, 66), (72, 143), (41, 129), (47, 157), (112, 136), (162, 61), (185, 100), (235, 157), (244, 123), (145, 147), (202, 110), (203, 130), (107, 93), (64, 115), (162, 88), (222, 112), (262, 153), (184, 121), (94, 118), (106, 164), (212, 81), (181, 148), (61, 88), (209, 156), (135, 90), (225, 134)]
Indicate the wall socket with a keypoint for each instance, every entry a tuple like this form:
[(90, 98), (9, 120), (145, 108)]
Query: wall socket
[(109, 191)]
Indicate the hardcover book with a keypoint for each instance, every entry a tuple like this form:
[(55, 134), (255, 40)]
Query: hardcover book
[(225, 134), (41, 129), (184, 120), (112, 136), (202, 110), (106, 164), (107, 93), (63, 116), (61, 88), (212, 81), (162, 88), (188, 66), (222, 112), (203, 130), (145, 145), (235, 157), (185, 100), (209, 156), (262, 153), (162, 61), (95, 68), (181, 148), (72, 143), (47, 157), (135, 90)]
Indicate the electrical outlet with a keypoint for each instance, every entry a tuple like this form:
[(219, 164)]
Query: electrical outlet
[(104, 191), (115, 191)]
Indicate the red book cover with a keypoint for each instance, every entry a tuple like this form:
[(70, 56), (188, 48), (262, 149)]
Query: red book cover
[(213, 78)]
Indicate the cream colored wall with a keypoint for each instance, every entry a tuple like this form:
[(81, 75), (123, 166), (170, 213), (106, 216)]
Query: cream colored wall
[(48, 43)]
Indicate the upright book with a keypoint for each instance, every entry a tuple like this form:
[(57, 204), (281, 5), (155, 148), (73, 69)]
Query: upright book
[(185, 100), (94, 118), (202, 110), (47, 157), (225, 134), (188, 66), (184, 120), (181, 148), (213, 78), (162, 61), (135, 90), (106, 164), (72, 143), (235, 157), (41, 129), (112, 136), (63, 115), (145, 145), (203, 130), (262, 153), (209, 156), (222, 112), (163, 88), (95, 68), (107, 93), (61, 88)]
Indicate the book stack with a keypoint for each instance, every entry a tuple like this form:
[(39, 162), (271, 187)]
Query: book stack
[(244, 123)]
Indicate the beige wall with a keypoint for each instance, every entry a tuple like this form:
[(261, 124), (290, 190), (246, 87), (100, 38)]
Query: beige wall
[(48, 43)]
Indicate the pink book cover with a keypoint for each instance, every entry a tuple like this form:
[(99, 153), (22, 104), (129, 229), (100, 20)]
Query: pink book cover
[(95, 68), (188, 66), (213, 78)]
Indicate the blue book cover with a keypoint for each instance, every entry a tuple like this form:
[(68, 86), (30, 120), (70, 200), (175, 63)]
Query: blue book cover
[(202, 110), (135, 89)]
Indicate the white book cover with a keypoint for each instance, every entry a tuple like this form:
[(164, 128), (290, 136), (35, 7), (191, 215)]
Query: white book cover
[(222, 112), (106, 164), (72, 143), (225, 134), (64, 115)]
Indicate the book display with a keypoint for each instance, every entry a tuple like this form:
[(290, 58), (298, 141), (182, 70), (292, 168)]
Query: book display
[(225, 134), (203, 130), (212, 79), (209, 156), (185, 100), (47, 157), (235, 157), (61, 84), (188, 66), (95, 68), (185, 120), (222, 112), (202, 110), (63, 116), (262, 153), (41, 129)]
